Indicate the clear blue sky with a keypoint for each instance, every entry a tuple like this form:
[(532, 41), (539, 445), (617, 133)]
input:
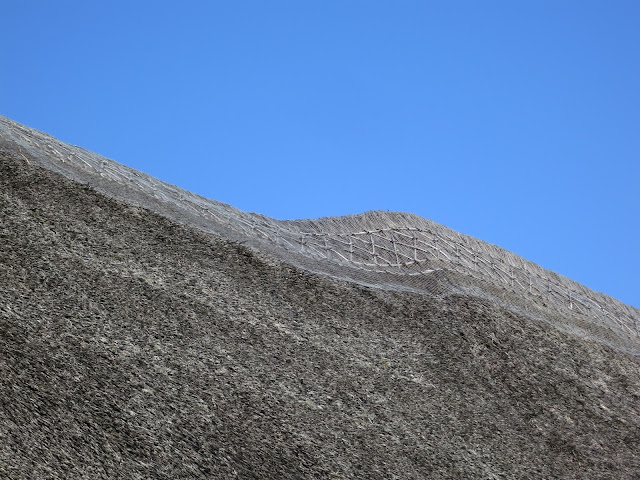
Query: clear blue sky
[(517, 122)]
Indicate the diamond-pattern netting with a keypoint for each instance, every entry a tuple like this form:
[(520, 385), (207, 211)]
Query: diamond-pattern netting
[(381, 249)]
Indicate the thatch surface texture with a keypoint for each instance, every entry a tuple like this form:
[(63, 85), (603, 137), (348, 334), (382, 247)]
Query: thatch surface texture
[(132, 346)]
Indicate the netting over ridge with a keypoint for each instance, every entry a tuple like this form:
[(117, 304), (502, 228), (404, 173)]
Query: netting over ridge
[(388, 250)]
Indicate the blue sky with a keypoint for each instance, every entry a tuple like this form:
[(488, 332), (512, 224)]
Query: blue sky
[(517, 122)]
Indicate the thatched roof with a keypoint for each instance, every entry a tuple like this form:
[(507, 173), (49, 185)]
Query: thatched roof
[(134, 346)]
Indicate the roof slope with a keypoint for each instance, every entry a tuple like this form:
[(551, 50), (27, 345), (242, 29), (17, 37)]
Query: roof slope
[(134, 346), (388, 250)]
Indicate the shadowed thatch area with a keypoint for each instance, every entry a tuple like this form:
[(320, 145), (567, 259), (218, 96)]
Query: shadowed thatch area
[(132, 346)]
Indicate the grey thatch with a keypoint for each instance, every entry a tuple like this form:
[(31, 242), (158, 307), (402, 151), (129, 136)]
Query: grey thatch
[(147, 332)]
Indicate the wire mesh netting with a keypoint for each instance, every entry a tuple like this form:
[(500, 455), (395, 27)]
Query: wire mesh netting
[(387, 250)]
